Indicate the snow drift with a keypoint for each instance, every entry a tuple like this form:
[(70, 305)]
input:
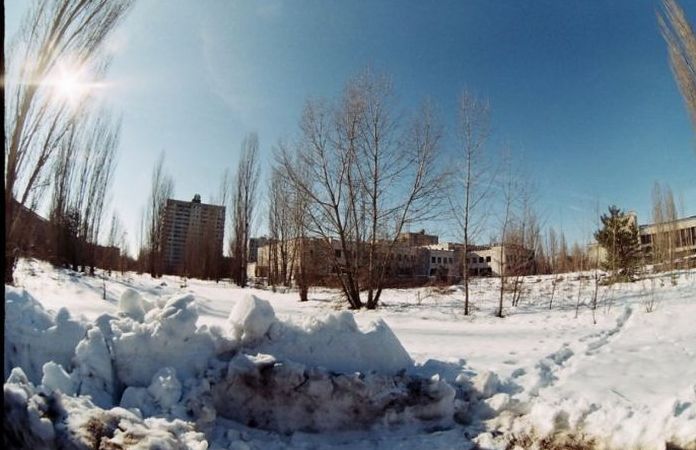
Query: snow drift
[(334, 342), (108, 380)]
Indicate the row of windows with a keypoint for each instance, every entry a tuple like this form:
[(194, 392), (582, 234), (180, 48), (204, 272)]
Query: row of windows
[(439, 260), (479, 259), (684, 237)]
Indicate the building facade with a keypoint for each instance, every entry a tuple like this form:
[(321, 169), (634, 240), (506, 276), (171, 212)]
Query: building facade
[(417, 239), (678, 236), (193, 235), (254, 245), (492, 260), (415, 257)]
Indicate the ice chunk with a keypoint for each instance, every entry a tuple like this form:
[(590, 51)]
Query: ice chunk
[(165, 388), (94, 368), (138, 398), (55, 378), (131, 304), (486, 383), (250, 319)]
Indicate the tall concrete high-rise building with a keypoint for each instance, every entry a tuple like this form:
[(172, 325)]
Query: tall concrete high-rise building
[(193, 235)]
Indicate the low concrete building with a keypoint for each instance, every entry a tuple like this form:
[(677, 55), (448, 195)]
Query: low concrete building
[(492, 260), (442, 262), (410, 259), (680, 235)]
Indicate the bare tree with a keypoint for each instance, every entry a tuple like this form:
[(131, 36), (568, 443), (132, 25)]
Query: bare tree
[(244, 198), (364, 180), (64, 231), (596, 275), (303, 261), (282, 229), (509, 184), (474, 183), (161, 188), (223, 195), (681, 46), (125, 261), (114, 240), (563, 255), (552, 250), (101, 144), (528, 242), (664, 216), (51, 34), (82, 172), (411, 169)]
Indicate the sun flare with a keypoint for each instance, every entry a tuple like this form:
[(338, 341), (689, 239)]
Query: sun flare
[(71, 84)]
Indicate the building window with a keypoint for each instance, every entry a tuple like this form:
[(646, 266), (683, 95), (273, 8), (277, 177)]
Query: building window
[(433, 260), (488, 259), (480, 259), (439, 259), (338, 253)]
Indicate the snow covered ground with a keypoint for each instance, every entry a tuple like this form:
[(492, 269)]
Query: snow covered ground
[(618, 377)]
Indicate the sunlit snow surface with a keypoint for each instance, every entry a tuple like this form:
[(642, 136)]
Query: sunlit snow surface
[(626, 381)]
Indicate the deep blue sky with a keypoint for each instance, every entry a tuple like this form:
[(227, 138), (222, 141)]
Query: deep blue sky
[(582, 90)]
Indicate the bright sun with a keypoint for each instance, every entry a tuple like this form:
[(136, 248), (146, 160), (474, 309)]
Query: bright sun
[(70, 84)]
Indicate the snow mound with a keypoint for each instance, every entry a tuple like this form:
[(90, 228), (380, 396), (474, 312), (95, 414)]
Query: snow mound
[(167, 338), (34, 419), (336, 343), (261, 392), (34, 337), (322, 373), (614, 424)]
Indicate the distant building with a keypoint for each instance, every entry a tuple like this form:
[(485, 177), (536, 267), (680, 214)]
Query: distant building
[(254, 245), (312, 253), (441, 262), (189, 229), (36, 232), (39, 235), (418, 239), (681, 233), (416, 258), (492, 260)]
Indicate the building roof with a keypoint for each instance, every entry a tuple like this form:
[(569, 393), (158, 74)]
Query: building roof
[(683, 219)]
